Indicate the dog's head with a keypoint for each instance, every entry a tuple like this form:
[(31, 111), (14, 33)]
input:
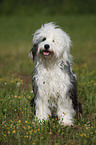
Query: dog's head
[(50, 43)]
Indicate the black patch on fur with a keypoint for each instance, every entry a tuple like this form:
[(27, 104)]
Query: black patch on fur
[(44, 39), (35, 46), (53, 109), (35, 89), (34, 50), (73, 89), (33, 104)]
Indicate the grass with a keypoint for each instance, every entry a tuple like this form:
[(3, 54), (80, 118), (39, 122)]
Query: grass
[(16, 123)]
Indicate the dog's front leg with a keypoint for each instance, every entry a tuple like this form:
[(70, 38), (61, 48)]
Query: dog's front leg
[(42, 109), (65, 112)]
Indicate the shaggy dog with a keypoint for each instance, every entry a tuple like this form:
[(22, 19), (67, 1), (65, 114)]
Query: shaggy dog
[(54, 83)]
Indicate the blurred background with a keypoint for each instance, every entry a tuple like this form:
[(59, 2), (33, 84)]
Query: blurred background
[(51, 7), (19, 19)]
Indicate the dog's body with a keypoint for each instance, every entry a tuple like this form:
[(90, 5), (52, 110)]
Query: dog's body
[(54, 83)]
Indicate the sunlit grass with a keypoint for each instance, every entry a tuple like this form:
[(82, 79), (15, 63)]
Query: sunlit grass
[(19, 126)]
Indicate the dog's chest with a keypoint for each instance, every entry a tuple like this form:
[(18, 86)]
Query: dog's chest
[(52, 82)]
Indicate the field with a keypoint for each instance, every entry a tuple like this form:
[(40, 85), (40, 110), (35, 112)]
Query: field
[(16, 124)]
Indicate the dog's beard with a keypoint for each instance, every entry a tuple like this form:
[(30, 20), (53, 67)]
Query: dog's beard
[(47, 55)]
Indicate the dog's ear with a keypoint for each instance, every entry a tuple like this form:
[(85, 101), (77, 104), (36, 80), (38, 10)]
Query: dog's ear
[(33, 51)]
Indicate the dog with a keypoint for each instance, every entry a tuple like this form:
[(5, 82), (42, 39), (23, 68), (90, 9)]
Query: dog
[(54, 83)]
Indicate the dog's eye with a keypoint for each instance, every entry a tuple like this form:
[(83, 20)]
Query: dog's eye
[(44, 39)]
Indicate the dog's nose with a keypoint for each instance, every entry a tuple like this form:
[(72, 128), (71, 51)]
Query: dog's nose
[(46, 46)]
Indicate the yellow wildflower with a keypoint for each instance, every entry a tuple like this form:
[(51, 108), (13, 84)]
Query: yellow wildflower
[(28, 127), (50, 132), (33, 123), (11, 125), (8, 132), (19, 121), (4, 134), (13, 131), (5, 117)]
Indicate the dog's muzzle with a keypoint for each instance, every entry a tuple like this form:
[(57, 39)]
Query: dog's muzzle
[(46, 51)]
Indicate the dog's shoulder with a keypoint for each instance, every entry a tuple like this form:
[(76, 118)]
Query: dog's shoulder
[(68, 69)]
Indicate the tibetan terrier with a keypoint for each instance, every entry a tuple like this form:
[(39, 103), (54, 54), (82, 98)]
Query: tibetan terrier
[(54, 83)]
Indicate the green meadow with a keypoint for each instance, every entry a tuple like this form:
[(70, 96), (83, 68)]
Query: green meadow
[(17, 127)]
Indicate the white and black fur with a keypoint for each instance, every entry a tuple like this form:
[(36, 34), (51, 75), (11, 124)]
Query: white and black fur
[(54, 83)]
